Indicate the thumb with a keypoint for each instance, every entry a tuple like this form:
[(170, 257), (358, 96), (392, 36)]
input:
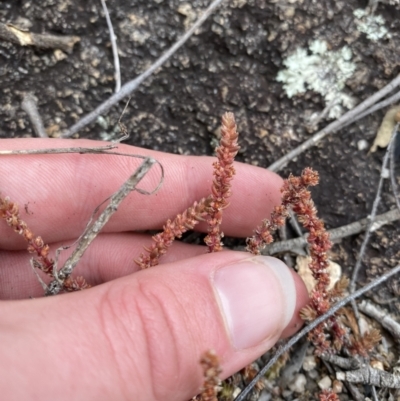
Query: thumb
[(141, 336)]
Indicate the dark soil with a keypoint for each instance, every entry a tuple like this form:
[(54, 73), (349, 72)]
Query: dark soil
[(231, 64)]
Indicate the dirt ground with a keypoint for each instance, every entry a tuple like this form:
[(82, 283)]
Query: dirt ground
[(230, 64)]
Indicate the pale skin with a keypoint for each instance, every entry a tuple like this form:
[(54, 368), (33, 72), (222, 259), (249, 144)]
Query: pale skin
[(135, 335)]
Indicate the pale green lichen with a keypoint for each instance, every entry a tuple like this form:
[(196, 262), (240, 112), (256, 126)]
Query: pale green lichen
[(372, 25), (322, 71)]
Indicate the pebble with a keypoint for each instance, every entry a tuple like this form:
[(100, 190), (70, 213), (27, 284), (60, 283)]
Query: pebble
[(325, 383), (362, 144), (299, 383), (309, 363)]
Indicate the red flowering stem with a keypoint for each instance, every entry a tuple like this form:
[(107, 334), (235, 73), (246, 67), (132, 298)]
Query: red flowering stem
[(9, 211), (209, 208), (173, 229), (223, 175), (296, 196)]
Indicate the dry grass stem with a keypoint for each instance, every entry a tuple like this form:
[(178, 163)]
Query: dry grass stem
[(98, 149), (94, 229)]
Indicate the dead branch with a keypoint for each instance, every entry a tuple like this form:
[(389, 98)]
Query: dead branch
[(344, 363), (29, 105), (382, 318), (334, 234), (12, 34), (131, 86), (368, 375)]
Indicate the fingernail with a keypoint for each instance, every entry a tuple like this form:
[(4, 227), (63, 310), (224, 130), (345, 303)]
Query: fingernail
[(257, 297)]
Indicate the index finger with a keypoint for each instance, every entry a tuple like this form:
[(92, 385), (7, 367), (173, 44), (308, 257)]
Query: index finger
[(57, 194)]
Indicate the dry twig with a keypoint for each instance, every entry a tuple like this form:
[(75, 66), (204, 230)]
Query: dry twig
[(18, 36), (335, 234), (344, 363), (131, 86), (113, 40), (368, 375), (382, 318)]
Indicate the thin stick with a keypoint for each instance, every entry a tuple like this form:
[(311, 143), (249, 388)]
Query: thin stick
[(30, 107), (368, 375), (372, 215), (336, 125), (114, 47), (131, 86), (334, 234), (393, 177), (312, 325), (374, 394), (382, 318), (94, 229), (21, 37), (390, 100)]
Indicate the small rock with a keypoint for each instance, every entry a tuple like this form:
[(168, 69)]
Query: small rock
[(377, 365), (299, 384), (362, 144), (309, 363), (325, 383), (337, 386)]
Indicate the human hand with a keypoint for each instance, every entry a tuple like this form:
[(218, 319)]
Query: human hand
[(134, 336)]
